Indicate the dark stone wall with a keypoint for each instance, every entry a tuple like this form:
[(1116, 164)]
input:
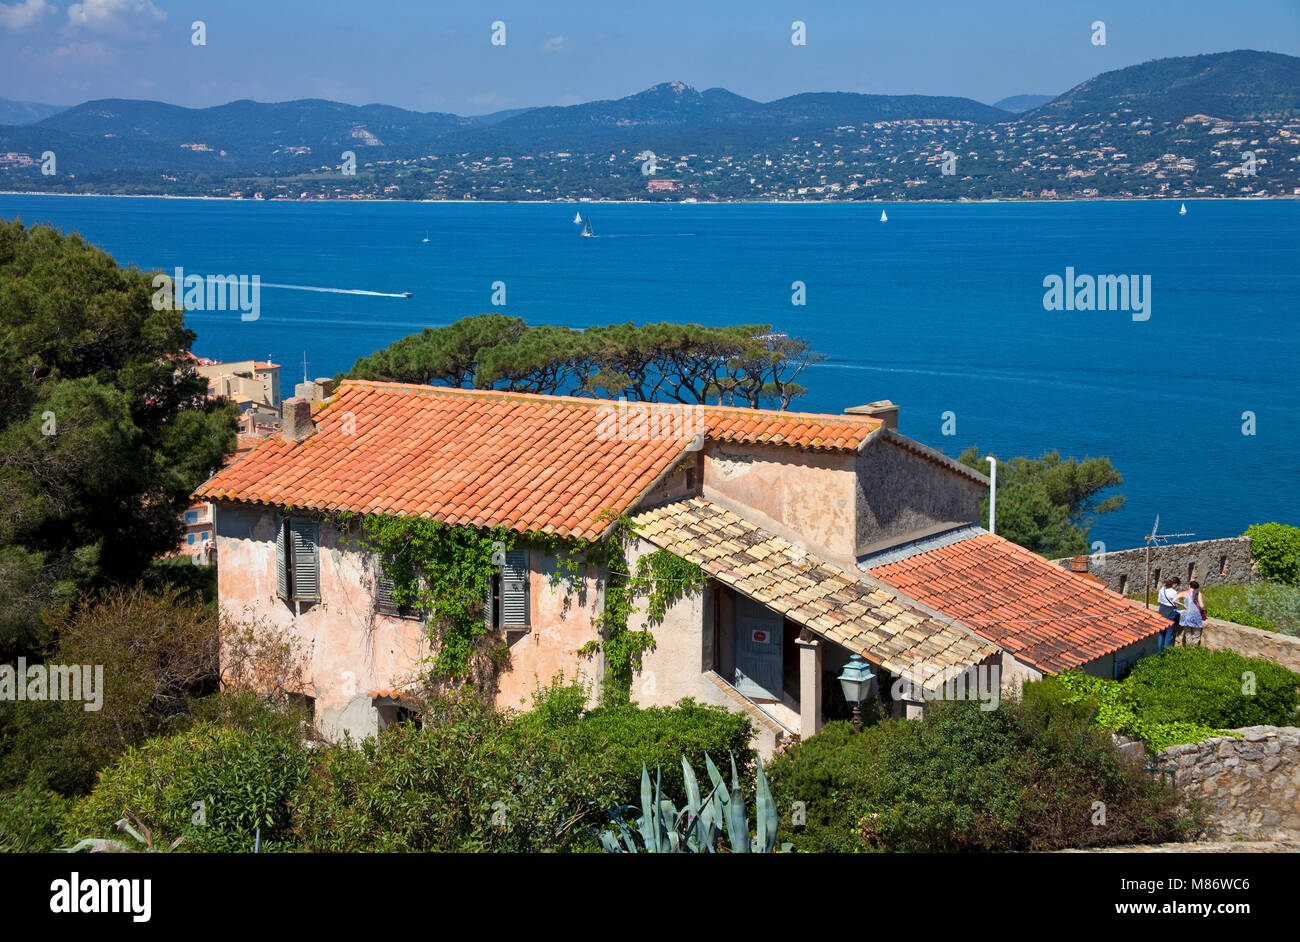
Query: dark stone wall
[(1210, 562)]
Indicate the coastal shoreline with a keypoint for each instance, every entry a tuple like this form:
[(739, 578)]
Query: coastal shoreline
[(698, 202)]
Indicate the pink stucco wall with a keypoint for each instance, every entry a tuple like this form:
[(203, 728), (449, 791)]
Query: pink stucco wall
[(808, 497), (562, 622), (350, 650)]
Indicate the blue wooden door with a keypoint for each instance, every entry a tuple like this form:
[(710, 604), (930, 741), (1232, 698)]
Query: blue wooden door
[(758, 650)]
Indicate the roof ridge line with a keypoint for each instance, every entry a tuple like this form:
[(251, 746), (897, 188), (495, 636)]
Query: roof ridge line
[(430, 389)]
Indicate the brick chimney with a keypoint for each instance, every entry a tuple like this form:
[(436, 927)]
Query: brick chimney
[(297, 419), (883, 409), (325, 385)]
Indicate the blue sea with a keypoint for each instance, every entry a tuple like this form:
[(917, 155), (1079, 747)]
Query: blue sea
[(940, 309)]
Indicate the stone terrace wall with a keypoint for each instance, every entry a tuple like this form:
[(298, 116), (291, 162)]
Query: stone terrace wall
[(1210, 562), (1250, 787), (1252, 642)]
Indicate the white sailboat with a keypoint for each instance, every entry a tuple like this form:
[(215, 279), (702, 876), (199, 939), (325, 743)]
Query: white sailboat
[(884, 217), (1182, 209), (426, 236), (586, 229), (577, 219)]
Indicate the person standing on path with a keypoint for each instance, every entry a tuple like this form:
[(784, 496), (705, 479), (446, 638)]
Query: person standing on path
[(1169, 608), (1193, 614)]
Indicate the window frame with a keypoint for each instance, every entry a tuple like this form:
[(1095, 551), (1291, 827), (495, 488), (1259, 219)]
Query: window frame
[(520, 588), (296, 537), (385, 589)]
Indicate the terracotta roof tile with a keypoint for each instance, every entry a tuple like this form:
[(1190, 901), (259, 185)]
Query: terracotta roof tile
[(490, 458), (1046, 615)]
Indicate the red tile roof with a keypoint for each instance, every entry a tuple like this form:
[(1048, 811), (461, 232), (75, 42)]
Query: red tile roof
[(488, 458), (1040, 613)]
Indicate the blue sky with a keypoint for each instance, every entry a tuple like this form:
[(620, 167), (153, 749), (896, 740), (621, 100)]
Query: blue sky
[(438, 56)]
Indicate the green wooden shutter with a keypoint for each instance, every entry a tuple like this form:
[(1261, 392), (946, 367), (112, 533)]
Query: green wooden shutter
[(281, 560), (303, 537), (514, 590)]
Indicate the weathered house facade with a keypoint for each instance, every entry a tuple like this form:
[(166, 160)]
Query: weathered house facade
[(821, 536)]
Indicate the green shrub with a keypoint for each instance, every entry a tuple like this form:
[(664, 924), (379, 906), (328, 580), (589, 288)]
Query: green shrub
[(469, 780), (1023, 777), (622, 738), (1208, 688), (1266, 605), (1276, 549), (213, 786), (1114, 707), (158, 650), (477, 779), (817, 779), (31, 819), (1241, 617), (556, 706)]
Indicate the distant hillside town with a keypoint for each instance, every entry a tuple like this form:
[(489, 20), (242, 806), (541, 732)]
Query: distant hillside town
[(1222, 125)]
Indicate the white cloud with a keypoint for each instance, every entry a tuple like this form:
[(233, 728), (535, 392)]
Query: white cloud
[(91, 53), (114, 16), (24, 14), (557, 44)]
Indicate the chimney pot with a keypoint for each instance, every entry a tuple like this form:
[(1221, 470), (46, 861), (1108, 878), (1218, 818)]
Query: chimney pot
[(297, 419), (1079, 564), (325, 385)]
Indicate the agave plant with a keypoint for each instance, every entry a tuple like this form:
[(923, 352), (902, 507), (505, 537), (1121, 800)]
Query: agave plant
[(98, 845), (698, 827)]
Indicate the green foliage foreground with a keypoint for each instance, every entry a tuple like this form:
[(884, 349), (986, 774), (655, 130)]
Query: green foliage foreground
[(1183, 695), (1023, 777), (472, 779)]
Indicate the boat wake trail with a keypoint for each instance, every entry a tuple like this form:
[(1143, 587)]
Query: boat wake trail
[(376, 294)]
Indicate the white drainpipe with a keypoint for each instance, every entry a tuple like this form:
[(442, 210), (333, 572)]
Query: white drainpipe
[(993, 493)]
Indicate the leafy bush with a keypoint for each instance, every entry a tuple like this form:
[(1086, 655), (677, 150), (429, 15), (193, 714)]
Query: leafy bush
[(623, 738), (1022, 777), (1276, 549), (213, 786), (1205, 687), (476, 779), (31, 820), (1267, 605), (1113, 706), (1240, 616), (158, 651), (467, 781)]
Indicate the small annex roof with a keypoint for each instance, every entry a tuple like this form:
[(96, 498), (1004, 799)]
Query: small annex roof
[(1037, 611), (554, 464), (852, 610)]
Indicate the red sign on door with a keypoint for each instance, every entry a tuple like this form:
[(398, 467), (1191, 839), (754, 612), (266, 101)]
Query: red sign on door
[(759, 636)]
